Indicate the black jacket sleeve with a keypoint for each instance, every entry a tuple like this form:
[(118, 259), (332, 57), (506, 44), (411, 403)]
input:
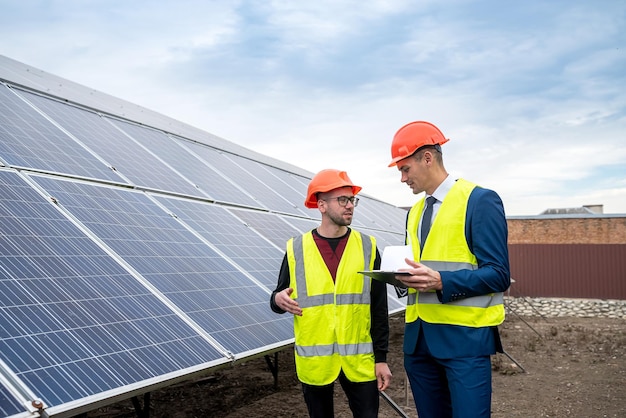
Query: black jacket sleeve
[(283, 283), (380, 316)]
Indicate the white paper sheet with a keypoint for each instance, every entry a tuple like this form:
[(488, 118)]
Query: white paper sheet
[(393, 257)]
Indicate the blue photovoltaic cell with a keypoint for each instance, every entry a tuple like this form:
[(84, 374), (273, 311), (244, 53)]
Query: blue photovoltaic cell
[(27, 139), (302, 225), (377, 214), (209, 182), (271, 178), (200, 282), (297, 183), (270, 225), (223, 186), (267, 197), (128, 158), (8, 404), (138, 164), (162, 146), (256, 255), (73, 322), (384, 239)]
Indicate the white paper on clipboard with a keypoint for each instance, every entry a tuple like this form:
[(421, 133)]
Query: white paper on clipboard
[(393, 257), (391, 262)]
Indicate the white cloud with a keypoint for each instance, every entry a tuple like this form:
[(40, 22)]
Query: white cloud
[(530, 94)]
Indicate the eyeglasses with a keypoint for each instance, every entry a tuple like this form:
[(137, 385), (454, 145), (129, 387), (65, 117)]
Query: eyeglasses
[(343, 200)]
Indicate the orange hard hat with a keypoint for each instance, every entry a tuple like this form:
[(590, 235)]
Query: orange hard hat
[(325, 181), (412, 137)]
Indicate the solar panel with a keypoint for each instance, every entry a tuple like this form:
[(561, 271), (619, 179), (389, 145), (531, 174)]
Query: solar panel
[(9, 406), (135, 250), (385, 238), (211, 182), (186, 164), (27, 139), (287, 196), (382, 215), (204, 285), (260, 192), (273, 227), (298, 184), (170, 149), (73, 322), (256, 255)]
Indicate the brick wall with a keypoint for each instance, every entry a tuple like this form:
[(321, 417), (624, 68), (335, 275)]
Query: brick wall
[(579, 257), (584, 230)]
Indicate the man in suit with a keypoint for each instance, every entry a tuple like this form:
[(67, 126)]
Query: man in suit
[(459, 271)]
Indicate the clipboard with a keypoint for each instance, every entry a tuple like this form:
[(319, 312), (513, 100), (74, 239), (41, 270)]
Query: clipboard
[(387, 276)]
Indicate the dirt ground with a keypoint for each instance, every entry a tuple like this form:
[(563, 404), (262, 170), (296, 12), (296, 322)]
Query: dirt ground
[(566, 367)]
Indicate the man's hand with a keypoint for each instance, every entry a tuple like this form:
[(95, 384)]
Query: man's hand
[(383, 375), (286, 303), (422, 278)]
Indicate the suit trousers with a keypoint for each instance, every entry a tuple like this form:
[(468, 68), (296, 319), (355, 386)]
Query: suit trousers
[(362, 398), (454, 388)]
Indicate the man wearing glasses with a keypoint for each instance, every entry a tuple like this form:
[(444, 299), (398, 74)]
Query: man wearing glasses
[(340, 316)]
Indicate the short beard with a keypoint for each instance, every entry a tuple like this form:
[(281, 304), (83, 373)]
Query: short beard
[(339, 220)]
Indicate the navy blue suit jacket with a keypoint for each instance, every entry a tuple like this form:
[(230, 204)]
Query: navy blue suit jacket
[(486, 233)]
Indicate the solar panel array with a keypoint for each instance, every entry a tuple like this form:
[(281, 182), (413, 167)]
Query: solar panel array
[(132, 257)]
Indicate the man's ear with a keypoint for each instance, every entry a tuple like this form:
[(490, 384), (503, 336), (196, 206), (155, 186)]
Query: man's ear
[(428, 156)]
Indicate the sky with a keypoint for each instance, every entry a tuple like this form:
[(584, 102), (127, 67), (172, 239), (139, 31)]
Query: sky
[(531, 94)]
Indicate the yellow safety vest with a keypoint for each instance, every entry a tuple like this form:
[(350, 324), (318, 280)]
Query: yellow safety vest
[(333, 332), (446, 249)]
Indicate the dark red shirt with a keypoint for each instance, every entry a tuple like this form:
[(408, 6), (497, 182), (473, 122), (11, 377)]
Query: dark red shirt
[(331, 250)]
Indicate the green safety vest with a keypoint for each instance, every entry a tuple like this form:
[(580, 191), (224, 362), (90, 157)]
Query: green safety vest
[(333, 333), (446, 249)]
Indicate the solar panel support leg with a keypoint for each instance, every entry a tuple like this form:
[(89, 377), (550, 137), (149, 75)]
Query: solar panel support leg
[(509, 307), (514, 361), (393, 404), (273, 367), (142, 412)]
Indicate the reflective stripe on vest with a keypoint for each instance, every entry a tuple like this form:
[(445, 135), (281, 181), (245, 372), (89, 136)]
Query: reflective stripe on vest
[(306, 301), (482, 301), (330, 349), (446, 249)]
